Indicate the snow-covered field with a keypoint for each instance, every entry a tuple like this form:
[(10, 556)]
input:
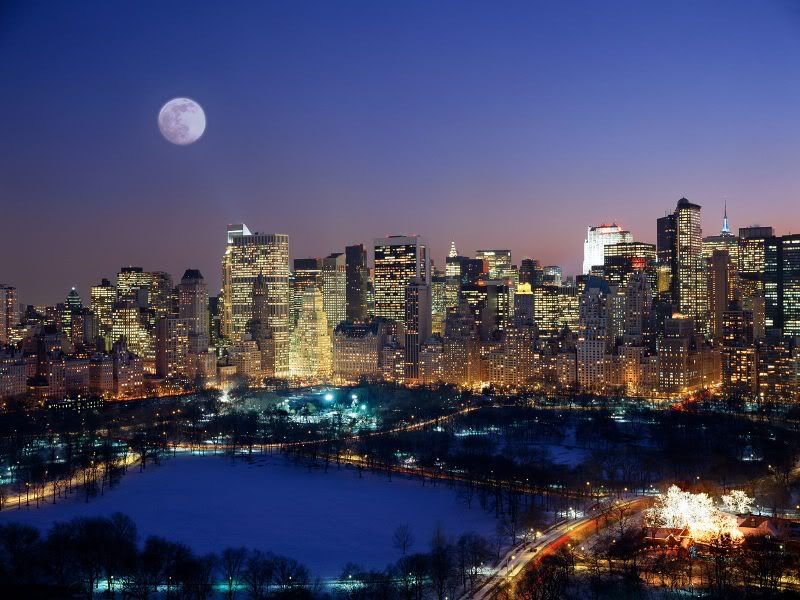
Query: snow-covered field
[(323, 520)]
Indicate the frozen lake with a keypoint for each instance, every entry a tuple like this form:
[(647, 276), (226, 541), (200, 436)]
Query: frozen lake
[(323, 520)]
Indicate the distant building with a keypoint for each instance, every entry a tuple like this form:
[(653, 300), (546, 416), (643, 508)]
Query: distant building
[(334, 288), (248, 255), (597, 238), (357, 283), (398, 261)]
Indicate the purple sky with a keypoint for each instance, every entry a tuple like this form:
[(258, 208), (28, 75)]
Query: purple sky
[(512, 125)]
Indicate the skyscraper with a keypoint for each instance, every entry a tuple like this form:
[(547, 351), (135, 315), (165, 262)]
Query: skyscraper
[(334, 288), (357, 282), (248, 255), (782, 285), (417, 324), (310, 355), (498, 262), (306, 271), (597, 238), (398, 260), (193, 308), (666, 258), (621, 260), (103, 296), (9, 312), (721, 278), (751, 260), (691, 276)]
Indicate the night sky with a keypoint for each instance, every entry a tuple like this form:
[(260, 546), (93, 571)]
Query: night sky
[(496, 124)]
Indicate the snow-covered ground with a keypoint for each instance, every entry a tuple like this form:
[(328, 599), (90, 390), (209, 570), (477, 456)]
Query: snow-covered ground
[(323, 520)]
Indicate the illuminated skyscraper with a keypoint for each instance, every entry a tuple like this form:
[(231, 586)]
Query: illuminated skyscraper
[(246, 256), (9, 311), (103, 296), (72, 305), (751, 259), (306, 271), (334, 288), (593, 336), (689, 279), (666, 258), (621, 260), (193, 307), (597, 238), (357, 276), (310, 354), (417, 324), (782, 285), (724, 241), (398, 261), (497, 261), (130, 280), (721, 285)]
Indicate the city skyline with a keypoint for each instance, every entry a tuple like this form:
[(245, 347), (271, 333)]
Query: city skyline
[(338, 125)]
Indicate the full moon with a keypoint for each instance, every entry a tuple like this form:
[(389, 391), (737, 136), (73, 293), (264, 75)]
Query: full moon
[(182, 121)]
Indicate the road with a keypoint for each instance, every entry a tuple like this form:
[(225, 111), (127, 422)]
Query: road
[(518, 558)]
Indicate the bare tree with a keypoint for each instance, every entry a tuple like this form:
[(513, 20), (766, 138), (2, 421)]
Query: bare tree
[(231, 562), (403, 538)]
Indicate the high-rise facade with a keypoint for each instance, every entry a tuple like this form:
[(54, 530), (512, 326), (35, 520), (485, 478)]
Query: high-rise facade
[(398, 261), (721, 285), (248, 255), (782, 285), (666, 258), (9, 312), (357, 282), (102, 297), (417, 324), (690, 277), (305, 272), (621, 260), (498, 262), (193, 308), (597, 238), (334, 288), (310, 354)]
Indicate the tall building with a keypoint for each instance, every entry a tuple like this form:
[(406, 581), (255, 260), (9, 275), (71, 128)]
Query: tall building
[(357, 283), (498, 262), (248, 255), (782, 285), (172, 346), (597, 238), (530, 272), (489, 302), (721, 284), (334, 288), (638, 328), (9, 312), (398, 260), (724, 241), (193, 308), (666, 258), (689, 279), (417, 324), (310, 353), (136, 325), (593, 336), (622, 260), (131, 281), (751, 259), (72, 305), (306, 272), (103, 296)]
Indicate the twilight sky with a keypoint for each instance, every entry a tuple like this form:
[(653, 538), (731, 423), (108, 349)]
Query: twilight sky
[(495, 124)]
